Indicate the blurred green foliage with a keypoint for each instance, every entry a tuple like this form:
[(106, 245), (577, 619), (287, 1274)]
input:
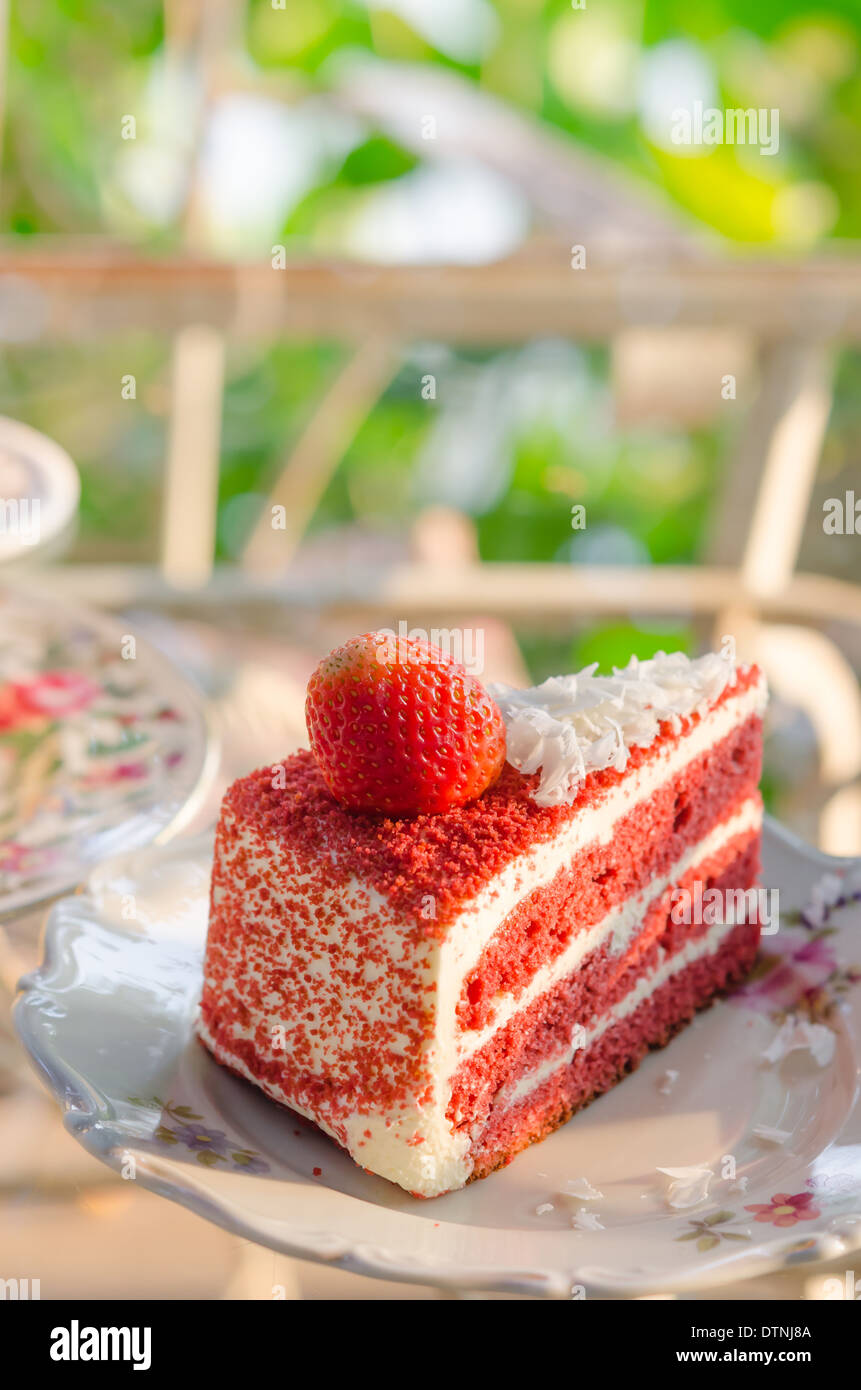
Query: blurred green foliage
[(76, 67), (513, 438)]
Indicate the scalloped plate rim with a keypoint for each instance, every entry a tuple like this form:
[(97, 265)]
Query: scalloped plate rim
[(86, 1117)]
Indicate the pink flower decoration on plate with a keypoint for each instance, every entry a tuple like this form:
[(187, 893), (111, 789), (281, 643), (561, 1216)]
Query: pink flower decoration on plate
[(14, 713), (798, 966), (119, 772), (23, 859), (786, 1209), (57, 693)]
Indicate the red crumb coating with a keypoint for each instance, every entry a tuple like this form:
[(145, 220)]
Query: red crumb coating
[(612, 1056), (447, 857), (645, 845), (597, 986), (302, 986)]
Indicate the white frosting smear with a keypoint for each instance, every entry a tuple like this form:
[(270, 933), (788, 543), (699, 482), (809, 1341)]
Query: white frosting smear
[(570, 726)]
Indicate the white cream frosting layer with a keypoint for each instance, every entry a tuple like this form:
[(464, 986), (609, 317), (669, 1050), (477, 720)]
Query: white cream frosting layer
[(415, 1146), (573, 725)]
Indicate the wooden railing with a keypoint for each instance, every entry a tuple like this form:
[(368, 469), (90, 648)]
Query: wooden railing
[(74, 291)]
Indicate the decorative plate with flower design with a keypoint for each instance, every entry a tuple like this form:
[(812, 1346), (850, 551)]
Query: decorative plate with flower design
[(102, 744), (732, 1152)]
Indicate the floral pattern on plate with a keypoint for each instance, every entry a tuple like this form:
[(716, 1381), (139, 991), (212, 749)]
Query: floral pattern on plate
[(709, 1231), (797, 971), (180, 1125), (101, 745)]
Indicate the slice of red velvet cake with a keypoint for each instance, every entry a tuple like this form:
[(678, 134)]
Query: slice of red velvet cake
[(440, 989)]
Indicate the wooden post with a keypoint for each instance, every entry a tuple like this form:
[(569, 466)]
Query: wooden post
[(767, 492), (799, 389), (191, 469)]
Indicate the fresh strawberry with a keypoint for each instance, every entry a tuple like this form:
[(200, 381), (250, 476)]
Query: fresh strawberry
[(398, 726)]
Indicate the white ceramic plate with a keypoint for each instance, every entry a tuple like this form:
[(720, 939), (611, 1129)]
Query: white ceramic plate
[(103, 745), (40, 491), (108, 1021)]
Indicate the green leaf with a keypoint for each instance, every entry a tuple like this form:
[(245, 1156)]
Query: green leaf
[(207, 1157), (690, 1235), (126, 742), (707, 1243), (166, 1135), (25, 741), (378, 158), (717, 1217), (734, 1235)]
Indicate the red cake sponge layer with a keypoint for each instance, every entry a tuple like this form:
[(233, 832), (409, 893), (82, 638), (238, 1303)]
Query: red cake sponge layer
[(614, 1054), (598, 985)]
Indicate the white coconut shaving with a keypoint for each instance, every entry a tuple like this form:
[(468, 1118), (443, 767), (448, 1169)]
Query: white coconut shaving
[(582, 1188), (668, 1081), (584, 1220), (687, 1186), (828, 891), (572, 725), (825, 893), (796, 1034)]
